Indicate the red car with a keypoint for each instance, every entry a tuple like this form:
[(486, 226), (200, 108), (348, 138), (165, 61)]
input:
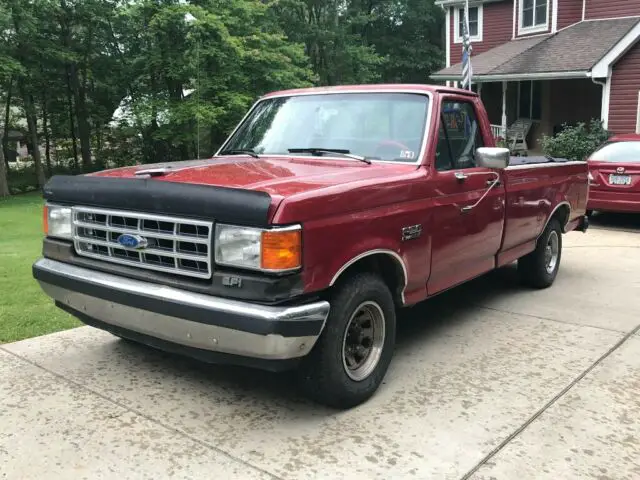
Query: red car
[(324, 212), (614, 176)]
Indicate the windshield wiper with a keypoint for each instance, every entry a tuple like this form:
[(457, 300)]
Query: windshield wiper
[(240, 151), (339, 151)]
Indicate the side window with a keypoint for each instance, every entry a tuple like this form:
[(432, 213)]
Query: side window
[(462, 132), (443, 151)]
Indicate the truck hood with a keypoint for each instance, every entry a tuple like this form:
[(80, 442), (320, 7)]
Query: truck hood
[(277, 176)]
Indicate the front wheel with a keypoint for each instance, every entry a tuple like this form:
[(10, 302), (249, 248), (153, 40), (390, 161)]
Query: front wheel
[(351, 358), (540, 268)]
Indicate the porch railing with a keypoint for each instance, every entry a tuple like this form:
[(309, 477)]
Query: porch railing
[(497, 131)]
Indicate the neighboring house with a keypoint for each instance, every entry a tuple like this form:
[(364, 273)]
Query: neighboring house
[(541, 63)]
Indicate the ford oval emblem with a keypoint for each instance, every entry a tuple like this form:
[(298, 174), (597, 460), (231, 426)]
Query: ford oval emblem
[(132, 241)]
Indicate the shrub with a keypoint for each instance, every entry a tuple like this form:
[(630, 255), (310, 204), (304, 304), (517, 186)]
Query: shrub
[(576, 142)]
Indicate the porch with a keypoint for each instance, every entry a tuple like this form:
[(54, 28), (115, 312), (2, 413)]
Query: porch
[(522, 112)]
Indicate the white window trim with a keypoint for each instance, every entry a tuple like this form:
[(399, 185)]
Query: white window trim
[(457, 34), (536, 28)]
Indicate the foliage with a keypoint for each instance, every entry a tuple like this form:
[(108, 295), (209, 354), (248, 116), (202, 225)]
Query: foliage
[(118, 82), (501, 142), (576, 142), (24, 309)]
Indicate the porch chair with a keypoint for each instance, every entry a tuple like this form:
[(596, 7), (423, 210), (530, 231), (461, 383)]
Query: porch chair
[(517, 135)]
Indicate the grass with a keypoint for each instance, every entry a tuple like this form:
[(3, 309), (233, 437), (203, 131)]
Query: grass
[(25, 311)]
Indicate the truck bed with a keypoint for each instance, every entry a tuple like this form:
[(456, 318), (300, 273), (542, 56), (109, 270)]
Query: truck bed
[(536, 160)]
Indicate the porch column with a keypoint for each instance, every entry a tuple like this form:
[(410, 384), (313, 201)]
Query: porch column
[(504, 109)]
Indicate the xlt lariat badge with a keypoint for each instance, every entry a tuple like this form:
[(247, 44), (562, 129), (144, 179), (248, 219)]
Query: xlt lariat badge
[(412, 232)]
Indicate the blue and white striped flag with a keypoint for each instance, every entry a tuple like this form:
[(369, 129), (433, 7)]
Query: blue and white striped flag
[(467, 69)]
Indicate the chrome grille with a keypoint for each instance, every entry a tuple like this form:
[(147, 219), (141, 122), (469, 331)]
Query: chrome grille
[(175, 245)]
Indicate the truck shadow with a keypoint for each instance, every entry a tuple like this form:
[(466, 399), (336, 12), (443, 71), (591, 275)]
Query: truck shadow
[(237, 385), (616, 221)]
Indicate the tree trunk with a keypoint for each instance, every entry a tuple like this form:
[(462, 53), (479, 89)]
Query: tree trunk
[(45, 129), (81, 114), (7, 118), (30, 112), (4, 182), (72, 125)]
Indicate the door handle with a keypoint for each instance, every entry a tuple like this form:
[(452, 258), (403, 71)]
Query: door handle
[(491, 184), (461, 176)]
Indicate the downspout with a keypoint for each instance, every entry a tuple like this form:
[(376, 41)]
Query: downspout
[(604, 115)]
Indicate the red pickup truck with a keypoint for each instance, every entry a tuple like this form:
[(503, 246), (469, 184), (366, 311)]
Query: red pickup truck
[(324, 212)]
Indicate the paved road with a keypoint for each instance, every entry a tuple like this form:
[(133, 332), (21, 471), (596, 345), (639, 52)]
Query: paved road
[(489, 381)]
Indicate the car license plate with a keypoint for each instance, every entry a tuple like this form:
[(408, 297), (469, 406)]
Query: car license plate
[(619, 179)]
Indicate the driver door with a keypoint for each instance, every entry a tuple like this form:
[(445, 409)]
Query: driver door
[(464, 241)]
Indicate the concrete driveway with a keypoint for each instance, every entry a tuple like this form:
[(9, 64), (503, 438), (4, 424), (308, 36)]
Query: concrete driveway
[(490, 380)]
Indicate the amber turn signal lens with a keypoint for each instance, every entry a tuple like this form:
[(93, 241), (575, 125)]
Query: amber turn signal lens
[(281, 250), (45, 220)]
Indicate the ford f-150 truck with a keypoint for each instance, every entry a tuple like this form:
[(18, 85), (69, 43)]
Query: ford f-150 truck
[(325, 211)]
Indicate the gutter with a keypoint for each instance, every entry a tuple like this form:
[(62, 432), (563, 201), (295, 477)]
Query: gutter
[(518, 76)]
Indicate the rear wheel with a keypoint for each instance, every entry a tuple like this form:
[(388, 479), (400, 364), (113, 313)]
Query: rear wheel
[(351, 358), (540, 268)]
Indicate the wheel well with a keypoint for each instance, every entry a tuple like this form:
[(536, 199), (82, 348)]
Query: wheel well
[(562, 215), (387, 266)]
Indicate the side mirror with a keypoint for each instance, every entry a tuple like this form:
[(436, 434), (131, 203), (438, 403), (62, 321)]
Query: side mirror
[(493, 157)]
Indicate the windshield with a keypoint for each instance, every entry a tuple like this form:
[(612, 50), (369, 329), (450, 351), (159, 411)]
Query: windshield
[(379, 126), (618, 152)]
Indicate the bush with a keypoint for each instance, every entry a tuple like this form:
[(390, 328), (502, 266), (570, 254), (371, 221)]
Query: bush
[(576, 142)]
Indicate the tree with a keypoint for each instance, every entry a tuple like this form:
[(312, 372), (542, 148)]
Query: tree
[(331, 32), (113, 82)]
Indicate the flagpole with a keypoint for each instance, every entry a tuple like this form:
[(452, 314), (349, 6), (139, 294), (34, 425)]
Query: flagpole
[(466, 19)]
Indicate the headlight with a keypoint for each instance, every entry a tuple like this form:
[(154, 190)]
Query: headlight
[(274, 250), (57, 221)]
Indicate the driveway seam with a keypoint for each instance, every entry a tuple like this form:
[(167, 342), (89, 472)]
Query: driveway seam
[(600, 246), (549, 319), (549, 404), (147, 417)]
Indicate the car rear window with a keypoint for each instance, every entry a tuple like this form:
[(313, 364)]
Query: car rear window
[(618, 152)]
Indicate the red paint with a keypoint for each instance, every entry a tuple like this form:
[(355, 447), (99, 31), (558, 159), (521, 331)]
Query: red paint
[(569, 12), (497, 29), (611, 9), (625, 87), (348, 208), (615, 198)]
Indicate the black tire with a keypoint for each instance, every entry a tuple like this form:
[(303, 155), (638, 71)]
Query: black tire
[(535, 269), (324, 375), (589, 213)]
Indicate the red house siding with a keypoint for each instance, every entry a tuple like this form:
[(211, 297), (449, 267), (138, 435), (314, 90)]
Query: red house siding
[(569, 12), (611, 8), (625, 84), (516, 5), (497, 29)]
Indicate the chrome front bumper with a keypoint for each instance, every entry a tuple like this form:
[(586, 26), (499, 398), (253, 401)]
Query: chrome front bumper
[(141, 310)]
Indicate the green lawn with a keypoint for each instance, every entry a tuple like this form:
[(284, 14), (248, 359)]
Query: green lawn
[(24, 310)]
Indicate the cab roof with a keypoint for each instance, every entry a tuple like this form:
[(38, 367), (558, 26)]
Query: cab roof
[(391, 87)]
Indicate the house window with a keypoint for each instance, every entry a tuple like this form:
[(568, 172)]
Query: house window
[(530, 100), (475, 24), (534, 15)]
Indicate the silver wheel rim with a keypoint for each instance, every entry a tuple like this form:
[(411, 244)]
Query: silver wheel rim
[(363, 341), (551, 252)]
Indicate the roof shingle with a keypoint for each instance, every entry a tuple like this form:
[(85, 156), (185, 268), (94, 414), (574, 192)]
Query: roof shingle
[(574, 49)]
